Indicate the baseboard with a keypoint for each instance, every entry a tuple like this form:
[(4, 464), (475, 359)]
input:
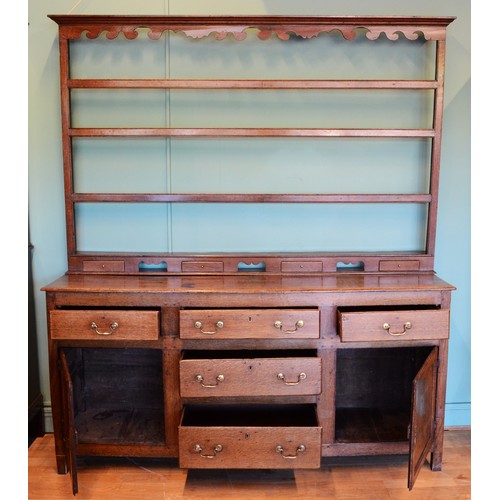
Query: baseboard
[(457, 415), (47, 417), (457, 428)]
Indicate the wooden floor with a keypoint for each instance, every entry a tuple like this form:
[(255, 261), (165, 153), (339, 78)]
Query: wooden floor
[(364, 478)]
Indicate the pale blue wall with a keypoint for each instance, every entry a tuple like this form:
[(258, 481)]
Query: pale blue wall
[(46, 197)]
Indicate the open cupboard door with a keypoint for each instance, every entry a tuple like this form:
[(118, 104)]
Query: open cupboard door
[(422, 415), (69, 430)]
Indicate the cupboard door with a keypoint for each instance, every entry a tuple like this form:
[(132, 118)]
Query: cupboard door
[(422, 415), (69, 430)]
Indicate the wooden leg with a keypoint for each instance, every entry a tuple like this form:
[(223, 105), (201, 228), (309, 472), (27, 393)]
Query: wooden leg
[(55, 394), (61, 464), (436, 461), (437, 451)]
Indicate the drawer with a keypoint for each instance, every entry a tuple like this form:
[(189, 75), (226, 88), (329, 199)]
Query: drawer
[(258, 376), (102, 266), (289, 266), (249, 323), (104, 325), (399, 265), (202, 267), (380, 326), (259, 437)]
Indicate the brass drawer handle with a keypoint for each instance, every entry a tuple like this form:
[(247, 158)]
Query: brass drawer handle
[(199, 449), (300, 449), (279, 326), (112, 327), (219, 378), (199, 326), (406, 327), (301, 376)]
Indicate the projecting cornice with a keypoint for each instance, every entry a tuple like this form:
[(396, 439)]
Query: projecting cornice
[(283, 27)]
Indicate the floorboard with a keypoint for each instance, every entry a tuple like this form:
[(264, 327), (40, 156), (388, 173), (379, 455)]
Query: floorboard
[(356, 478)]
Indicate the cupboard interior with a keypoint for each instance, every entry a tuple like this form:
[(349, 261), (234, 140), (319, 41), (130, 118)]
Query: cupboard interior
[(118, 395), (374, 392)]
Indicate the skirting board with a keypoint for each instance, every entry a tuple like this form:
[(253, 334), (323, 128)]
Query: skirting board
[(457, 415)]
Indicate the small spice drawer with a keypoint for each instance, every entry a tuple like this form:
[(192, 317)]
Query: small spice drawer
[(264, 376), (380, 326), (259, 437), (104, 325), (249, 323)]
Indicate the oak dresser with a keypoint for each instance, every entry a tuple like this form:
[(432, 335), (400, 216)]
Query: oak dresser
[(235, 359)]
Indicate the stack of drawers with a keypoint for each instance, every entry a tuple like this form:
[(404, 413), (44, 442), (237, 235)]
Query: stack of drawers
[(269, 434)]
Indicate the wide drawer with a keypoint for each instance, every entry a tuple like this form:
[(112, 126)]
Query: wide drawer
[(249, 323), (104, 325), (259, 437), (250, 376), (375, 326)]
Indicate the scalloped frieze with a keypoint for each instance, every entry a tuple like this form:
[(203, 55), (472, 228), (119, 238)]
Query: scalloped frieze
[(349, 32), (130, 32)]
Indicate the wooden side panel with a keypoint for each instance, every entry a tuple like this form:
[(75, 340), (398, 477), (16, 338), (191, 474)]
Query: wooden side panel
[(422, 416), (69, 430)]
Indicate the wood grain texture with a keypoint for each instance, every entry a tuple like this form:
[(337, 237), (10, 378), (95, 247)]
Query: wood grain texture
[(250, 377), (130, 83), (381, 326), (394, 27), (249, 324), (282, 263), (88, 27), (249, 447), (358, 478), (105, 324), (248, 310), (242, 284)]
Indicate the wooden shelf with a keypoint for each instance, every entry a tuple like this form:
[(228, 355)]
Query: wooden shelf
[(85, 28), (247, 198), (241, 359), (248, 132), (185, 84)]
